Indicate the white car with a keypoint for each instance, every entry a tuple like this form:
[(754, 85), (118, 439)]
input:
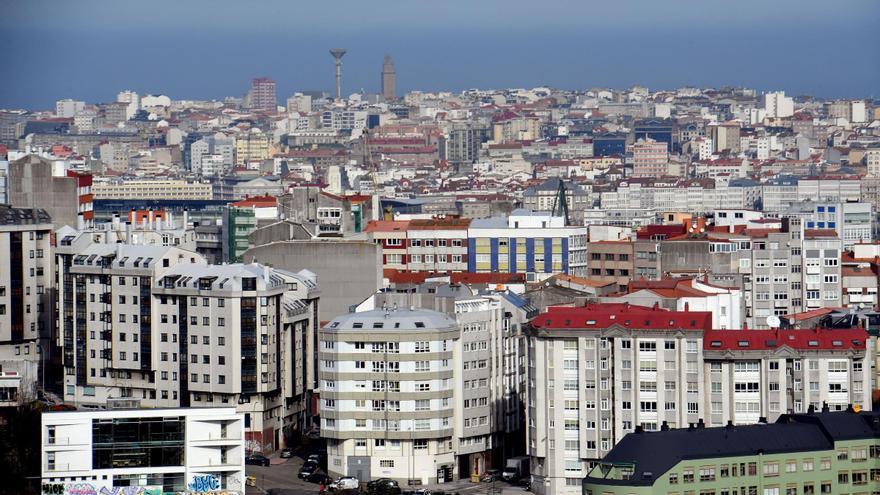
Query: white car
[(347, 483)]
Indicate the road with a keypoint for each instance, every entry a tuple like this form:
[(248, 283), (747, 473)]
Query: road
[(280, 478)]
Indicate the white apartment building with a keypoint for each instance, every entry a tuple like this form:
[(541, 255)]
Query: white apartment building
[(161, 326), (595, 373), (388, 394), (152, 450), (777, 105)]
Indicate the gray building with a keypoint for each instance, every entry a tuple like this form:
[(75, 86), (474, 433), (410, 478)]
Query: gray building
[(347, 270), (32, 184)]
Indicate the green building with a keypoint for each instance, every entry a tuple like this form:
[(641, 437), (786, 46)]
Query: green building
[(239, 223), (832, 453)]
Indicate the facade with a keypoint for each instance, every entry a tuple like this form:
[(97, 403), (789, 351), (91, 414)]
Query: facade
[(498, 319), (461, 145), (161, 327), (818, 452), (601, 371), (262, 95), (526, 241), (650, 158), (389, 79), (26, 301), (388, 392), (437, 245), (777, 105), (166, 189), (252, 145), (611, 261), (191, 450), (35, 182)]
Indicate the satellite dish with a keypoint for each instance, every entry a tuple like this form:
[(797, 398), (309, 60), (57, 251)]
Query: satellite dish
[(773, 321)]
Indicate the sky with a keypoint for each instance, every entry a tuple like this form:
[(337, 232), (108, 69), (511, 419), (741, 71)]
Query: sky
[(203, 49)]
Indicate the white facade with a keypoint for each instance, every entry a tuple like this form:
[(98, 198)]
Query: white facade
[(387, 380), (94, 450), (68, 108), (777, 105)]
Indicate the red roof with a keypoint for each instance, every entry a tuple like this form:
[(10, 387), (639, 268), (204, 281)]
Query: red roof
[(598, 316), (256, 202), (820, 338), (387, 225)]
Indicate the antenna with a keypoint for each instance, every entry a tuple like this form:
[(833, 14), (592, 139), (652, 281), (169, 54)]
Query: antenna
[(337, 54)]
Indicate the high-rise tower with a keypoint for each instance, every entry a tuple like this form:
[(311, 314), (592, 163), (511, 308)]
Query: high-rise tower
[(389, 79), (263, 94), (337, 54)]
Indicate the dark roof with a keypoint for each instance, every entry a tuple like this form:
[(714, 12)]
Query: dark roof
[(791, 433), (23, 216)]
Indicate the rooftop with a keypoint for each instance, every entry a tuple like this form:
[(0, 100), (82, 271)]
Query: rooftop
[(392, 319)]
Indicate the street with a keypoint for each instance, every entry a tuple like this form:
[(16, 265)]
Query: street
[(280, 478)]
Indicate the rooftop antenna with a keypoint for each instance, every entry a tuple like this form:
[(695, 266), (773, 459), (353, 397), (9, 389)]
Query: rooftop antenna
[(337, 55)]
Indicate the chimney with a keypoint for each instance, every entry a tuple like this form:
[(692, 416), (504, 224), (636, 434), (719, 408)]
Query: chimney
[(115, 220), (811, 409), (701, 424), (691, 427), (80, 222), (185, 217), (762, 420), (687, 307), (151, 218), (825, 407), (664, 426), (639, 429), (729, 424)]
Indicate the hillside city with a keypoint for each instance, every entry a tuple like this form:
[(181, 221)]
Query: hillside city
[(602, 291)]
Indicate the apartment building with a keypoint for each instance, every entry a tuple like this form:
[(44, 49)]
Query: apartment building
[(650, 158), (388, 395), (170, 189), (758, 374), (545, 197), (437, 245), (161, 326), (611, 261), (595, 372), (789, 272), (143, 451), (527, 241), (26, 302), (623, 367), (252, 145), (496, 317), (817, 452)]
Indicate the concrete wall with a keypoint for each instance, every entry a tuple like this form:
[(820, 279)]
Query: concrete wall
[(348, 271), (31, 185)]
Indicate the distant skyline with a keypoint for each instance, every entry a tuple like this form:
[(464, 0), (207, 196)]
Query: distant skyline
[(199, 49)]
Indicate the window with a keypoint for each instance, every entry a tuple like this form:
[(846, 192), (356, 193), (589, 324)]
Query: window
[(386, 463)]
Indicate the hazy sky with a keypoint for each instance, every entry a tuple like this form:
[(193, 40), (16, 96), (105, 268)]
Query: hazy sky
[(91, 49)]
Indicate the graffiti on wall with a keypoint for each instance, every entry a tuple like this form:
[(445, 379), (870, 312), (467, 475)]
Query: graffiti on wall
[(203, 483), (253, 441), (90, 489)]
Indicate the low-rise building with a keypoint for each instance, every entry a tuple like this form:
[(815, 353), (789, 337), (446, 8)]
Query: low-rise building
[(192, 450), (826, 452)]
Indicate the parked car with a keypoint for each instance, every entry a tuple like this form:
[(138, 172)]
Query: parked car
[(383, 486), (491, 475), (319, 478), (286, 453), (257, 460), (347, 483), (316, 458), (307, 469)]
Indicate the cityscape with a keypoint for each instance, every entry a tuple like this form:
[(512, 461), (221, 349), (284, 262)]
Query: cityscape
[(661, 286)]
